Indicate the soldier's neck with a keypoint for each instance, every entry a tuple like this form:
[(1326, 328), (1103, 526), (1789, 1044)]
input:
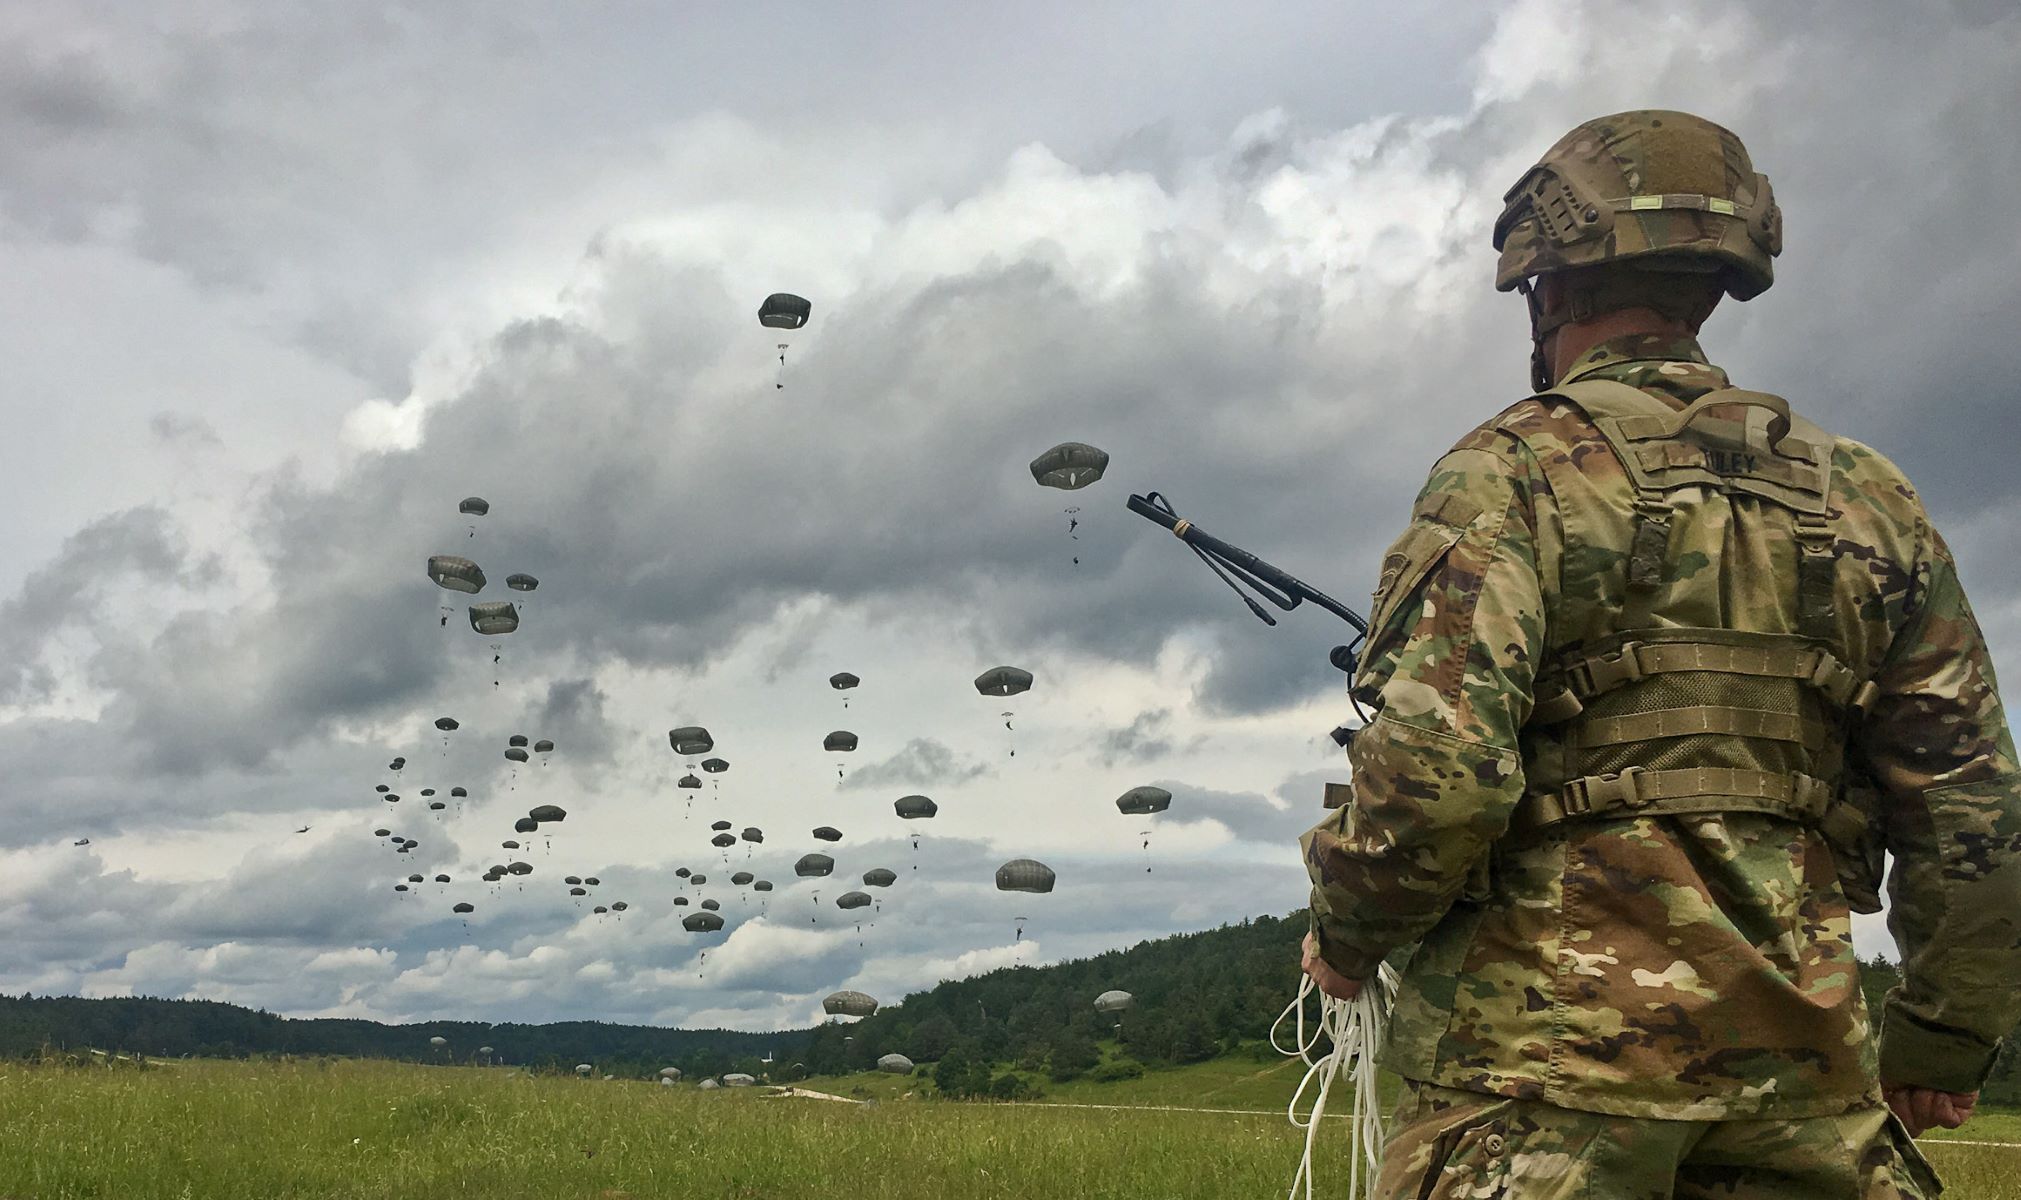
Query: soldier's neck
[(1573, 339)]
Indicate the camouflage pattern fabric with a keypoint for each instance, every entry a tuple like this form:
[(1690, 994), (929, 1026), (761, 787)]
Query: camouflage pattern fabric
[(1679, 967), (1457, 1145)]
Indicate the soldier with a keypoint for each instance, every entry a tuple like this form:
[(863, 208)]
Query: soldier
[(1662, 669)]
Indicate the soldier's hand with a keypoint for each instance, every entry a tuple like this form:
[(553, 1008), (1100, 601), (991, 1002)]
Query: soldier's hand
[(1325, 978), (1922, 1108)]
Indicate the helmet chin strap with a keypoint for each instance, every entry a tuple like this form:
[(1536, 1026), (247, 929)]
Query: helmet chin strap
[(1540, 363)]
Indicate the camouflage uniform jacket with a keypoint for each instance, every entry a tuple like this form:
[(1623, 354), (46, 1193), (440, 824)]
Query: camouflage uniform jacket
[(1672, 967)]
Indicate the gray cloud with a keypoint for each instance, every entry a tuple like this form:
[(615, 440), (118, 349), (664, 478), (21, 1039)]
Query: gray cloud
[(920, 763)]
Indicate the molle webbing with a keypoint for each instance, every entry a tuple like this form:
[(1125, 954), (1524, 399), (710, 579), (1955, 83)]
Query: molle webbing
[(1685, 792), (1586, 678)]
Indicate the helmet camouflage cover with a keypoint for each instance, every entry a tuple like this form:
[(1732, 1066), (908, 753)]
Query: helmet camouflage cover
[(1665, 190)]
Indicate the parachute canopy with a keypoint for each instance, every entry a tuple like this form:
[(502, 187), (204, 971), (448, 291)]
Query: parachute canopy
[(1113, 1001), (697, 880), (741, 878), (464, 907), (442, 879), (723, 840), (848, 1004), (912, 808), (719, 826), (572, 880), (763, 885), (516, 754), (784, 310), (474, 506), (1140, 801), (446, 724), (690, 781), (670, 1072), (438, 1041), (1070, 465), (494, 618), (525, 825), (456, 574), (715, 766), (895, 1064), (841, 741), (738, 1079), (879, 877), (1024, 875), (813, 866), (459, 793), (521, 583), (690, 740), (853, 900), (1003, 681), (517, 739), (702, 922), (542, 813), (754, 835), (711, 905), (436, 806), (842, 681), (543, 746)]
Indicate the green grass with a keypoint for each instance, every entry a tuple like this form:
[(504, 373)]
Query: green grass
[(351, 1130)]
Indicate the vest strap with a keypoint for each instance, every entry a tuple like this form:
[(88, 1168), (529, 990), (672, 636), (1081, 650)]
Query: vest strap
[(1588, 677), (1636, 792), (1699, 719)]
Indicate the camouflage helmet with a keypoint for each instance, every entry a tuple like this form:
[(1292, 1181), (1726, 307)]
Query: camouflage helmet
[(1665, 190)]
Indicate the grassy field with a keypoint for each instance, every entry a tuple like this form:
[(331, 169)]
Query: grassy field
[(364, 1130)]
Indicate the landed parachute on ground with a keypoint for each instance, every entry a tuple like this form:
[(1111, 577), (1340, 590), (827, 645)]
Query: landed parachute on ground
[(848, 1004), (583, 1068), (670, 1072), (738, 1079), (895, 1064)]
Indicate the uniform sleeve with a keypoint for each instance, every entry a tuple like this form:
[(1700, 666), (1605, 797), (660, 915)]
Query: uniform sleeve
[(1938, 744), (1456, 629)]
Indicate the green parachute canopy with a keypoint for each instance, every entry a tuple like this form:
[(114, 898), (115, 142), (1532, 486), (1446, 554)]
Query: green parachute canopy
[(542, 814), (1070, 466), (1003, 681), (853, 900), (474, 506), (784, 310), (447, 724), (1024, 875), (848, 1004), (841, 742), (1142, 801), (724, 840), (879, 877), (828, 833), (842, 681), (521, 583), (494, 618), (456, 573), (690, 740), (715, 766), (914, 808), (812, 866)]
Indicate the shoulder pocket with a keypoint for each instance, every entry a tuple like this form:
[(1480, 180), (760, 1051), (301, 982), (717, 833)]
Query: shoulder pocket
[(1404, 569)]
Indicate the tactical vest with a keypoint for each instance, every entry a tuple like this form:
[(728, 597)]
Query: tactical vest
[(1664, 719)]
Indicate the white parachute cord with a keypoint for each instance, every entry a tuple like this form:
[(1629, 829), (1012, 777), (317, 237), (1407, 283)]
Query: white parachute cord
[(1352, 1032)]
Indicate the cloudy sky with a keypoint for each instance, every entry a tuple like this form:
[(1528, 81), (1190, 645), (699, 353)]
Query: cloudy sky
[(291, 280)]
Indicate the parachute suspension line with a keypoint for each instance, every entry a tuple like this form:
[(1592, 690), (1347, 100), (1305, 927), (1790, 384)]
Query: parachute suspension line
[(781, 381), (1352, 1032)]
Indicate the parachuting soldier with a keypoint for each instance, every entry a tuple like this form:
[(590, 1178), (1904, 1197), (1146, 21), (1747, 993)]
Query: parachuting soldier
[(1662, 669)]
